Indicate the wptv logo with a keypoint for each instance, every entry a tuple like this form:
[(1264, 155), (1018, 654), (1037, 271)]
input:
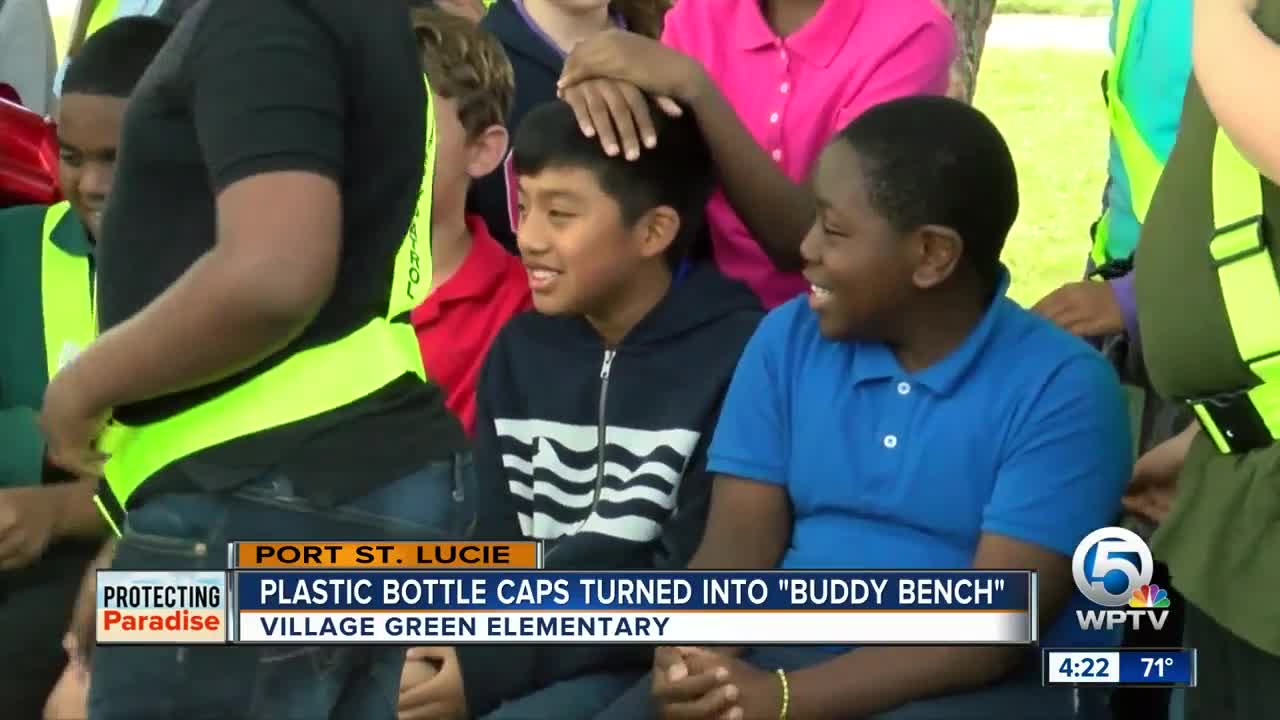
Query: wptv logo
[(1112, 567)]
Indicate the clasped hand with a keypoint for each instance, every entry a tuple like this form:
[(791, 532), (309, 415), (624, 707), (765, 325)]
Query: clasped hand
[(431, 685), (691, 683), (27, 526)]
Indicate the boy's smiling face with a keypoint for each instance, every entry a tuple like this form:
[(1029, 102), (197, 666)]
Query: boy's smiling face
[(858, 265), (575, 246), (88, 137)]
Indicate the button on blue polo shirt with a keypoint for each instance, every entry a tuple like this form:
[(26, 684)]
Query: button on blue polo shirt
[(1021, 431)]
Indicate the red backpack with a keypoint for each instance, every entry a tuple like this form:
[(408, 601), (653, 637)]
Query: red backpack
[(28, 156)]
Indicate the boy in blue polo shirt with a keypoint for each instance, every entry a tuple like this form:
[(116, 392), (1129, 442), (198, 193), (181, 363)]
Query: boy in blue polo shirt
[(906, 414)]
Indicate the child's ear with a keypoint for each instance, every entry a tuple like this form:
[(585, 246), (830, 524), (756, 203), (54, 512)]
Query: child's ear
[(487, 151), (657, 230), (939, 250)]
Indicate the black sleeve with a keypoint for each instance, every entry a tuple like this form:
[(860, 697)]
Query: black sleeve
[(683, 532), (492, 674), (265, 83), (496, 517)]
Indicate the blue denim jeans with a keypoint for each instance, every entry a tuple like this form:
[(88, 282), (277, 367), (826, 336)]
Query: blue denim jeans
[(1019, 697), (577, 699), (191, 532)]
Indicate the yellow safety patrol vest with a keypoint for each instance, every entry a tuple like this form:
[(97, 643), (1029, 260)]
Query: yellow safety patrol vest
[(1141, 165), (304, 385), (103, 13), (1248, 418), (66, 296)]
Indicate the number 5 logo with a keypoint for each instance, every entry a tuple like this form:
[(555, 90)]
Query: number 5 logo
[(1109, 567)]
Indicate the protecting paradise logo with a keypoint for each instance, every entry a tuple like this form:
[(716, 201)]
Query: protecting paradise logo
[(1149, 596)]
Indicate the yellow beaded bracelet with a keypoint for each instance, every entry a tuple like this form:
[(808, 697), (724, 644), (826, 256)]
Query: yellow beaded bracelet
[(786, 693)]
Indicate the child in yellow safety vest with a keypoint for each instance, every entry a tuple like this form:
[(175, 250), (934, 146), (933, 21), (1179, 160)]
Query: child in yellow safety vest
[(48, 525)]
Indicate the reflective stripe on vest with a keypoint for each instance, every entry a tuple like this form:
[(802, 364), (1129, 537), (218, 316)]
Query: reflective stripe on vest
[(103, 14), (1244, 419), (311, 382), (65, 296), (1141, 165)]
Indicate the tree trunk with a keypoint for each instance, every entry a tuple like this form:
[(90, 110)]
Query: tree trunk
[(972, 18)]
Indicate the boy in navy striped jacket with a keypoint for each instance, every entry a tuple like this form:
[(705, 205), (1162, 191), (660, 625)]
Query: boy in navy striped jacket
[(594, 413)]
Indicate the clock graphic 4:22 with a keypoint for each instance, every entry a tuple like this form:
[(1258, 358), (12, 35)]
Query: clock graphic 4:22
[(1084, 667)]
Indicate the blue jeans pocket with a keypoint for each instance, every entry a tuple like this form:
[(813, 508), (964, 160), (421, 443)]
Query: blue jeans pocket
[(434, 503), (190, 531), (464, 497), (173, 532), (317, 682)]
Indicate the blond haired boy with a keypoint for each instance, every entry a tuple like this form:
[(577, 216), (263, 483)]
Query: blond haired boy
[(476, 286)]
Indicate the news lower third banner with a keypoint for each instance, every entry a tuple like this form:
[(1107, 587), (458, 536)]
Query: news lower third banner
[(305, 603), (697, 608)]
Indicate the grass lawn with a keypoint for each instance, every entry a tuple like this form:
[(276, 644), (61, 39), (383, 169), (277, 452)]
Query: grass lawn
[(1049, 107), (1088, 8)]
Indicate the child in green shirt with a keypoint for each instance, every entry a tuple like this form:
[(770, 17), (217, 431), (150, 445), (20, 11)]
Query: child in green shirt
[(48, 524)]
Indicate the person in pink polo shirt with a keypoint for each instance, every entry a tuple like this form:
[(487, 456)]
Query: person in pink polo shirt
[(784, 77)]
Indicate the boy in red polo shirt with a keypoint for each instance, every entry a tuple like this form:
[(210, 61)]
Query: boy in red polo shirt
[(476, 286)]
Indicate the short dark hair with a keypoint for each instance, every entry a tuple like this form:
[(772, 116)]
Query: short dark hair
[(677, 172), (113, 59), (934, 160)]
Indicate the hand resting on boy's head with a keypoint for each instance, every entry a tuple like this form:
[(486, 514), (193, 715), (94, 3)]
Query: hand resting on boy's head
[(604, 80), (636, 59), (615, 110)]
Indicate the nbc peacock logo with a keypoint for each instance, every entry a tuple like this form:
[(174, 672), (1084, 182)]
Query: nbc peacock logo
[(1112, 568), (1149, 596)]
